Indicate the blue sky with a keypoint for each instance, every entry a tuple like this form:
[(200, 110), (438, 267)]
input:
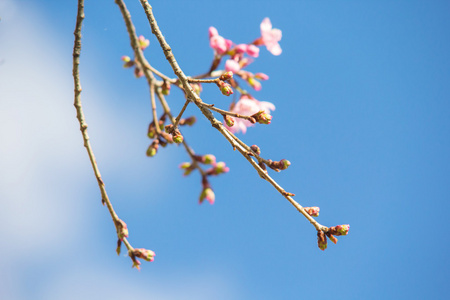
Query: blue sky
[(362, 111)]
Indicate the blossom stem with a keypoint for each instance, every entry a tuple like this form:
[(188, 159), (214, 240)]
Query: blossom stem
[(229, 113), (194, 80), (177, 120)]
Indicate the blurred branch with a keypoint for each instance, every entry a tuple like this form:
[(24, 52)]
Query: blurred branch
[(120, 226)]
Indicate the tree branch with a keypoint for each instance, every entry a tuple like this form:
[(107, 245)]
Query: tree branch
[(214, 122)]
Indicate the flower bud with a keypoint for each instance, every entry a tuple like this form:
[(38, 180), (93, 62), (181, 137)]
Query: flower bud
[(146, 254), (254, 83), (332, 238), (128, 63), (262, 117), (177, 137), (261, 76), (241, 48), (122, 230), (138, 73), (119, 246), (208, 194), (321, 240), (188, 121), (219, 168), (153, 148), (256, 149), (252, 50), (143, 42), (197, 87), (284, 164), (312, 211), (226, 76), (209, 159), (187, 167), (263, 166), (225, 88), (229, 120), (165, 88), (339, 230)]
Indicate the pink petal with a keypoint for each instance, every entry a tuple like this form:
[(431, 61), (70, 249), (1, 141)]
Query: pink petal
[(274, 49), (232, 65), (265, 26)]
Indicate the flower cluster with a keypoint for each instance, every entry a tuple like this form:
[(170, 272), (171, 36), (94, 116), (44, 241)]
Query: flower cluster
[(242, 114), (331, 234), (128, 62), (216, 169), (249, 106), (240, 56)]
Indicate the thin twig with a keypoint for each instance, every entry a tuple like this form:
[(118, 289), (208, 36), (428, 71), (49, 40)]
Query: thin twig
[(158, 73), (140, 58), (172, 120), (229, 113), (194, 80), (177, 119), (207, 113), (81, 119)]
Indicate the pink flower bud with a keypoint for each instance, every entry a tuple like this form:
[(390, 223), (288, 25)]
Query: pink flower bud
[(208, 194), (189, 121), (143, 42), (197, 87), (284, 164), (146, 254), (225, 88), (232, 66), (165, 88), (220, 168), (177, 137), (229, 120), (254, 83), (212, 31), (209, 159), (312, 211), (153, 148), (332, 238), (125, 58), (262, 117), (321, 240), (226, 75), (339, 230), (241, 48), (261, 76), (256, 149), (138, 73), (252, 50), (185, 165), (122, 230)]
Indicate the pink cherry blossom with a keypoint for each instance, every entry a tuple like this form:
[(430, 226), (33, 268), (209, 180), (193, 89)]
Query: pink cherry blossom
[(270, 37), (248, 106), (217, 42), (232, 65), (253, 51)]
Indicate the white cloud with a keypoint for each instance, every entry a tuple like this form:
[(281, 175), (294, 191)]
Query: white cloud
[(45, 177)]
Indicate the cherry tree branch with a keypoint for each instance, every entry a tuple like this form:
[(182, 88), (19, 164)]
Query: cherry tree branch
[(154, 85), (119, 224), (214, 122)]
